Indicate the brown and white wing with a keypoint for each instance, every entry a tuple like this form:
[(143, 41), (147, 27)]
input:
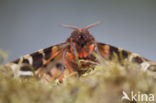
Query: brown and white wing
[(109, 51), (46, 63)]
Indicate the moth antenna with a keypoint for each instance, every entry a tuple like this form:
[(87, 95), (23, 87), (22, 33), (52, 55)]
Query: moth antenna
[(92, 25), (70, 27)]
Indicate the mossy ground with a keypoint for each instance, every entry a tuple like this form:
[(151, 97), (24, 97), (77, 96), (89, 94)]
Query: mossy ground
[(104, 84)]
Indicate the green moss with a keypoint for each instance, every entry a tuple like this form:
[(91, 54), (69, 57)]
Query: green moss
[(104, 84)]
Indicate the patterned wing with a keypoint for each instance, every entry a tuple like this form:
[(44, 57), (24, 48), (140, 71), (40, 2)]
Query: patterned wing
[(108, 52), (46, 63)]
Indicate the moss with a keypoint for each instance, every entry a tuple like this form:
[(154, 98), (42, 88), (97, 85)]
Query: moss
[(104, 84)]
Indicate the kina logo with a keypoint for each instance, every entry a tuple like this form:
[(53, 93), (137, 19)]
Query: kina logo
[(141, 97)]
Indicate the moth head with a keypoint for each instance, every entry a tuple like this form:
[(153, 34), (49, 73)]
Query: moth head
[(81, 36)]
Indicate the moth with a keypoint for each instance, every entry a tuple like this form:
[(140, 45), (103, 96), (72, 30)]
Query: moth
[(50, 63)]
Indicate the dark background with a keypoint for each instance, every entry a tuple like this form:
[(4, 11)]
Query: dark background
[(29, 25)]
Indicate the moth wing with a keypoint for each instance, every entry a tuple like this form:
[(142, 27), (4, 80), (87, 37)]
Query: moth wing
[(109, 51), (44, 62)]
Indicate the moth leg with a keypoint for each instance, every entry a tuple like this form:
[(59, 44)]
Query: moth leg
[(75, 65), (75, 52), (71, 64), (61, 75)]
